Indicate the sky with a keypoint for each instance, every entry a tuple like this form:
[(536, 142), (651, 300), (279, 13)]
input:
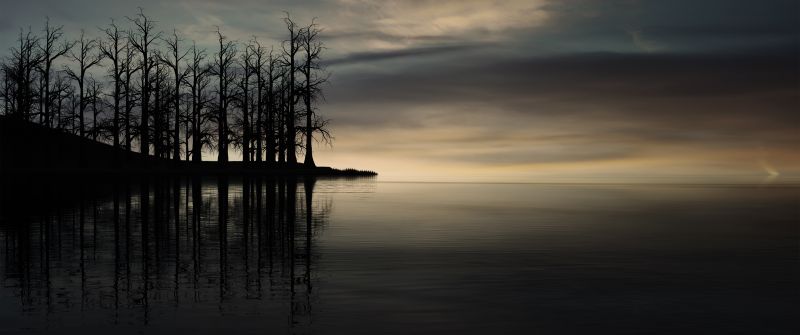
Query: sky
[(524, 90)]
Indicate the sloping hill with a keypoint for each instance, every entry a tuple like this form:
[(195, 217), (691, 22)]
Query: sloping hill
[(29, 148), (26, 146)]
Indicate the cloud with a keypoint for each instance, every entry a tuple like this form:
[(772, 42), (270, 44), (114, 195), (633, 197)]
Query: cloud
[(362, 57), (714, 108), (586, 78), (680, 25), (641, 42), (444, 17)]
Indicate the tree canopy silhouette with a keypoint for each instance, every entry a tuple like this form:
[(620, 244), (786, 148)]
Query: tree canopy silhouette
[(169, 98)]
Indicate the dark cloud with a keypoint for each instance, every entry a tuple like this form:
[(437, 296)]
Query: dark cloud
[(612, 104), (587, 25), (594, 76)]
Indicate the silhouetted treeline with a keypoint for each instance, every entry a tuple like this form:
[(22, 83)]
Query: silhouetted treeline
[(140, 89)]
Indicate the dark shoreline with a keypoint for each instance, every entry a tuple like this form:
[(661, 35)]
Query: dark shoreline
[(30, 149), (192, 169)]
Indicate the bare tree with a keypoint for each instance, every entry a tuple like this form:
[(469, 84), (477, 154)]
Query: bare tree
[(19, 71), (173, 62), (259, 62), (187, 126), (62, 90), (112, 50), (197, 81), (291, 47), (142, 40), (158, 81), (94, 97), (50, 50), (74, 103), (86, 57), (129, 69), (280, 112), (315, 76), (273, 76), (5, 93), (225, 76), (246, 62)]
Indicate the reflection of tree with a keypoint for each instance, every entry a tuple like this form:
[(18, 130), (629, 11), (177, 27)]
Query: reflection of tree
[(166, 243)]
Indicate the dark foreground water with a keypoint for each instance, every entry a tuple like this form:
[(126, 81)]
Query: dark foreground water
[(364, 257)]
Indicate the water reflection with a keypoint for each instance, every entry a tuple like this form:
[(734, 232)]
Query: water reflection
[(167, 256), (154, 247)]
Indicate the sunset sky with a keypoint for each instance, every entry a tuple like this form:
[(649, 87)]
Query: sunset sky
[(524, 90)]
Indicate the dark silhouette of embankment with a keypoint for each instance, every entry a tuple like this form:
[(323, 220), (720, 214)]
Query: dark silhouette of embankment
[(29, 148)]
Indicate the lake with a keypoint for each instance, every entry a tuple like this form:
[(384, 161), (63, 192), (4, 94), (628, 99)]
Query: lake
[(362, 256)]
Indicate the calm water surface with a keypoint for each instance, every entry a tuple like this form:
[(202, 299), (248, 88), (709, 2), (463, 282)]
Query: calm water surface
[(366, 257)]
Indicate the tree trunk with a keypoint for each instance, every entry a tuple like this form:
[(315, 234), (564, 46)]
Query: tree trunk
[(309, 161), (176, 153)]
